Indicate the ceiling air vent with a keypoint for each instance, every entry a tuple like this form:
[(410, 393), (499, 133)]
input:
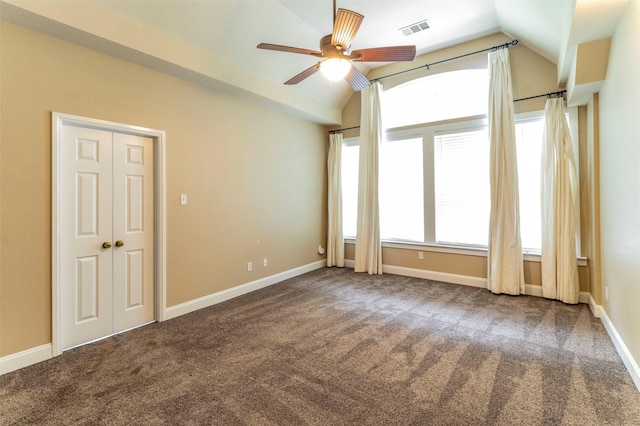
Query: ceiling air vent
[(415, 28)]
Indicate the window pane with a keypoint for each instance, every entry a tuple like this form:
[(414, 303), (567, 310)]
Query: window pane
[(528, 146), (437, 97), (349, 189), (461, 179), (401, 190)]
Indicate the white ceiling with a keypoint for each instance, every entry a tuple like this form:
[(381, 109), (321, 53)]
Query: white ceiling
[(213, 42), (232, 28)]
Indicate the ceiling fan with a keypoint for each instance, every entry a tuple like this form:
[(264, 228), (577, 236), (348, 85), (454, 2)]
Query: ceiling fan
[(335, 48)]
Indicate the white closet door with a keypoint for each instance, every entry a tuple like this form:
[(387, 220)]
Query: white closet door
[(106, 233), (133, 233), (86, 266)]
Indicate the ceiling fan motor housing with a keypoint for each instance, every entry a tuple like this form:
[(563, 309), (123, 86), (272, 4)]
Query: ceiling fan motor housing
[(335, 51), (328, 49)]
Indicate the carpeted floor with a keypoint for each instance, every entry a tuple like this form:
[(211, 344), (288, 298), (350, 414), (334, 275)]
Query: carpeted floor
[(332, 347)]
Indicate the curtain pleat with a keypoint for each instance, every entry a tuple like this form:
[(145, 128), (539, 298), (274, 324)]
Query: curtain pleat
[(368, 255), (335, 240), (505, 269), (559, 208)]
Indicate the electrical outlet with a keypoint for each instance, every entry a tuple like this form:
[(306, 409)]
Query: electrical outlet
[(183, 199), (606, 293), (264, 262), (249, 267), (420, 255)]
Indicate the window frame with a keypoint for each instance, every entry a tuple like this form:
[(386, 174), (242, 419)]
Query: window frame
[(428, 131)]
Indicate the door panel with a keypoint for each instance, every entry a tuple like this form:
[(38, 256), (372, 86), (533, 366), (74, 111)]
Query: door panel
[(135, 204), (87, 288), (86, 267), (87, 204), (134, 285), (134, 226)]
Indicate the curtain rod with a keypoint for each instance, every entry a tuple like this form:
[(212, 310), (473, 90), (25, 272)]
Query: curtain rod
[(513, 42), (549, 95), (343, 130)]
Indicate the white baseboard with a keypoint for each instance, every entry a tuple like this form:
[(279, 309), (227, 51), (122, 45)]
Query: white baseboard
[(429, 275), (221, 296), (584, 297), (436, 276), (536, 290), (627, 358), (596, 309), (25, 358), (530, 289)]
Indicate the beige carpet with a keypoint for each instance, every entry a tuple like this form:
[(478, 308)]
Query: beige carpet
[(333, 347)]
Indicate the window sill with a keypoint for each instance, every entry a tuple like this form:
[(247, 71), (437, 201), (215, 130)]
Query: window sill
[(529, 256)]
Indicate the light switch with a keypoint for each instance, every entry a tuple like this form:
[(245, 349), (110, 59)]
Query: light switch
[(183, 199)]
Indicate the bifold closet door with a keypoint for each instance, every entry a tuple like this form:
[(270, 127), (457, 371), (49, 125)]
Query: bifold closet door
[(106, 233)]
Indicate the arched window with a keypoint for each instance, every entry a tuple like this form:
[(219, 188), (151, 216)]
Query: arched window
[(436, 97)]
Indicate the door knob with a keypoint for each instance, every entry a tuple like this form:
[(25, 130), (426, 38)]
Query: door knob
[(119, 243), (106, 244)]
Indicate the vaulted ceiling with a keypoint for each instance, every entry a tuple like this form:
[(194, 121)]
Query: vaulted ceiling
[(213, 42)]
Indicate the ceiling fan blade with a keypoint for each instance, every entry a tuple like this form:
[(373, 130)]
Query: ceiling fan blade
[(385, 54), (289, 49), (345, 27), (356, 79), (304, 74)]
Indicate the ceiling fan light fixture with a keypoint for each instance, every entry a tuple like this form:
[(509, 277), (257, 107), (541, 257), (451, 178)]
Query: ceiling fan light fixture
[(335, 69), (335, 49)]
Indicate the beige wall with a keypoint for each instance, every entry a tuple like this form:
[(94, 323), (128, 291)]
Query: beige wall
[(619, 105), (591, 61), (532, 75), (251, 174)]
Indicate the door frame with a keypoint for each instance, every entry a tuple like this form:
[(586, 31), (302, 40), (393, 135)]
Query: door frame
[(160, 230)]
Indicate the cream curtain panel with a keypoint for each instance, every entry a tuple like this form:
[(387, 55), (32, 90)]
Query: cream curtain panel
[(559, 205), (368, 256), (335, 239), (505, 269)]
